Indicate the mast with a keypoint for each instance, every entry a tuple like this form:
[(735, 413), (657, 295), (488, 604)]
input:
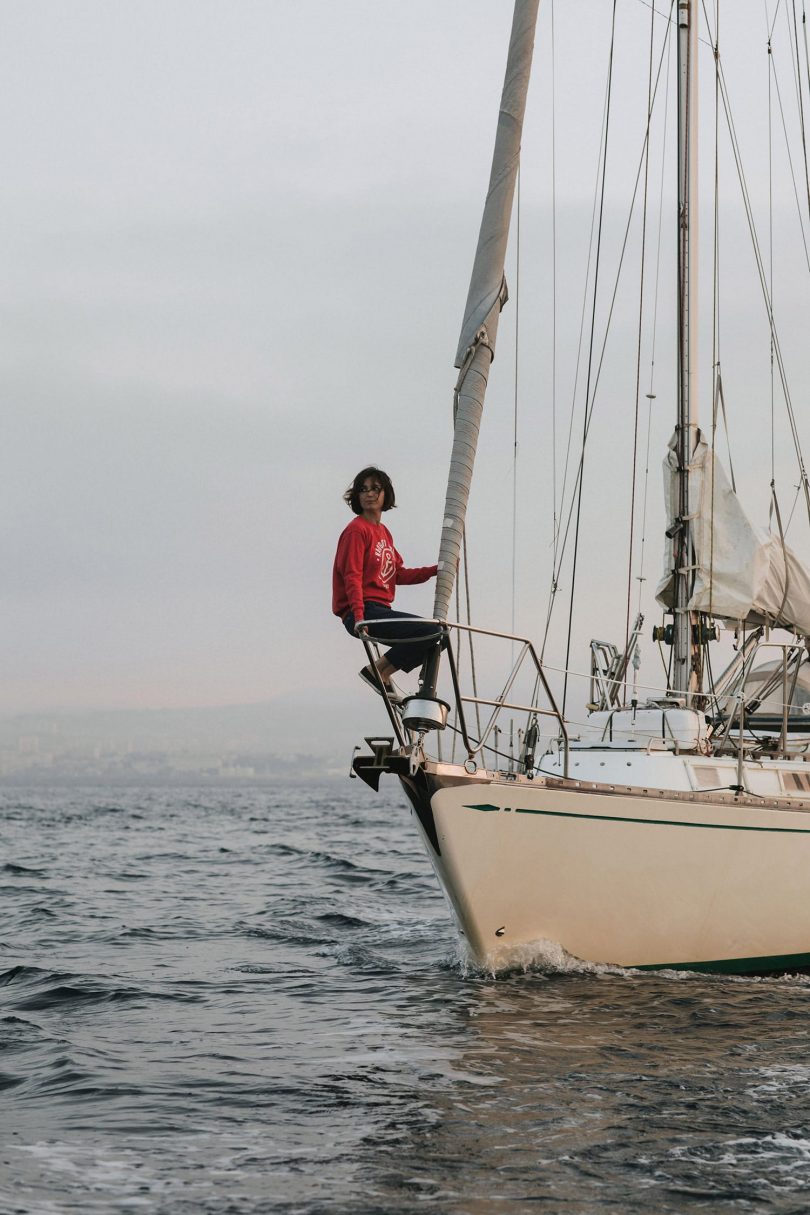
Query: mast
[(485, 299), (686, 644)]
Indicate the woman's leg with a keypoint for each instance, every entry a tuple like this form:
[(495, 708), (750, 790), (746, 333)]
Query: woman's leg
[(384, 667), (414, 638)]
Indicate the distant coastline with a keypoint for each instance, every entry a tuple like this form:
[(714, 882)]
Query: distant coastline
[(239, 744)]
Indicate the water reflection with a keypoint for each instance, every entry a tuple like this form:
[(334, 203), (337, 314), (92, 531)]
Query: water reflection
[(605, 1090)]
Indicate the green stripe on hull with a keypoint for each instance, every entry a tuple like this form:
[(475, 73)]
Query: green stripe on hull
[(780, 964), (648, 822)]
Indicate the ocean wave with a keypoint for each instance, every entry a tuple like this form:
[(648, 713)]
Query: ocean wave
[(290, 1025), (34, 989), (17, 870)]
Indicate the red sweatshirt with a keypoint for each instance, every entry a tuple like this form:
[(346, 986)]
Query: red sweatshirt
[(367, 566)]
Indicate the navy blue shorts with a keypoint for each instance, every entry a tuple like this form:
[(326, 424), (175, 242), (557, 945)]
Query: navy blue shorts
[(390, 626)]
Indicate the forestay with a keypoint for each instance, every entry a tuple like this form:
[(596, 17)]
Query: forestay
[(742, 573)]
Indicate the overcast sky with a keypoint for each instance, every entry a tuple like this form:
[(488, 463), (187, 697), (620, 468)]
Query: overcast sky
[(237, 239)]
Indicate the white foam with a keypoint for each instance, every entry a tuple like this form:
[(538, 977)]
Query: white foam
[(547, 957)]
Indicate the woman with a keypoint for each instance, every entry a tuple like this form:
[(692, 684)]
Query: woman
[(367, 569)]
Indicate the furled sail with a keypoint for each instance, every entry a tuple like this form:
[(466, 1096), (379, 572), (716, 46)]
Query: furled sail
[(485, 298), (742, 573)]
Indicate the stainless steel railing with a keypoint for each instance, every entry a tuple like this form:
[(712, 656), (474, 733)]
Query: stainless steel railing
[(542, 703)]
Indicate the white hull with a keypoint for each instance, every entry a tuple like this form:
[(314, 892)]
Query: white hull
[(625, 875)]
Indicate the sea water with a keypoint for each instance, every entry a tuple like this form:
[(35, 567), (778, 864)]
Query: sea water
[(252, 999)]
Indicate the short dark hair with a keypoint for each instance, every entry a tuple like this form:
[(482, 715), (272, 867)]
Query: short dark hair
[(352, 494)]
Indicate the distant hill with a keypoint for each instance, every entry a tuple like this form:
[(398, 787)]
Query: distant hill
[(314, 731)]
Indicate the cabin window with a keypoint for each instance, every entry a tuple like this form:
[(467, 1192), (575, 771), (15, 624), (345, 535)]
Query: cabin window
[(708, 778), (796, 782)]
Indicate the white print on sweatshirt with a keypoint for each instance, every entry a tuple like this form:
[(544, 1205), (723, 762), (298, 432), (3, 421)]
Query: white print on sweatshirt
[(385, 556)]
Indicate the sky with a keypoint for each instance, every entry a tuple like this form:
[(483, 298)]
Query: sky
[(236, 240)]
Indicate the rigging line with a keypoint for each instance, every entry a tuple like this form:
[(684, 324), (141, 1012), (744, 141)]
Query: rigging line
[(651, 394), (710, 675), (784, 120), (804, 39), (666, 663), (770, 248), (669, 18), (555, 576), (790, 159), (583, 312), (590, 356), (585, 677), (589, 414), (656, 12), (473, 674), (656, 295), (506, 755), (638, 357), (621, 257), (715, 291), (806, 64), (718, 397), (784, 551), (801, 102), (643, 540), (457, 590), (553, 291), (716, 334), (793, 508), (716, 257), (721, 400), (557, 557), (515, 420), (764, 286), (591, 396), (797, 80)]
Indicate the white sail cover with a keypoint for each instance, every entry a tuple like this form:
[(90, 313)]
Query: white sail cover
[(743, 573)]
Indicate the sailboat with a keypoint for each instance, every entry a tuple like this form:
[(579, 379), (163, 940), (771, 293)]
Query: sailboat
[(672, 829)]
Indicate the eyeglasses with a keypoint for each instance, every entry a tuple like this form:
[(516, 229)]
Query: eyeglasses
[(371, 489)]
